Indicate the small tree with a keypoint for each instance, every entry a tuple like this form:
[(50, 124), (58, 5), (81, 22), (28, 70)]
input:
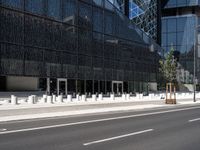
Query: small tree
[(168, 70)]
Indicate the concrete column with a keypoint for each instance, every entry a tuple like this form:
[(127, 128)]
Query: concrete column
[(48, 85)]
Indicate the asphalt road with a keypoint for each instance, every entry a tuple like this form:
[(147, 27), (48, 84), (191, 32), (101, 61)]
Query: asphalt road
[(163, 129)]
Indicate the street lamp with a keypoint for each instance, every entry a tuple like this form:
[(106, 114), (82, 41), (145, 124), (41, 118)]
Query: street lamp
[(194, 76)]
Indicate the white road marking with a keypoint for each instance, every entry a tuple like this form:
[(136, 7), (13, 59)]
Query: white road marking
[(2, 130), (98, 120), (197, 119), (117, 137)]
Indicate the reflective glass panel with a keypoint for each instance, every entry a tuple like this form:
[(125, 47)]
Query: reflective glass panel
[(35, 6), (53, 9)]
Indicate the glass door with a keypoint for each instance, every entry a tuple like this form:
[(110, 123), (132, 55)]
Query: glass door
[(62, 86), (117, 87)]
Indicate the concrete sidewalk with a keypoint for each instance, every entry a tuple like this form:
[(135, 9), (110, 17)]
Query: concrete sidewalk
[(22, 112)]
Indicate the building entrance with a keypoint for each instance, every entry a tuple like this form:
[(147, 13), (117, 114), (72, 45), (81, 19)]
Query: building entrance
[(62, 86), (117, 87)]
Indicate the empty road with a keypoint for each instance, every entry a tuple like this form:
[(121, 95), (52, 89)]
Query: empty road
[(162, 129)]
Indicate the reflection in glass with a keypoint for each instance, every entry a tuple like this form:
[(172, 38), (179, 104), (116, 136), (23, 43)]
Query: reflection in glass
[(69, 11), (13, 3), (35, 6), (53, 9)]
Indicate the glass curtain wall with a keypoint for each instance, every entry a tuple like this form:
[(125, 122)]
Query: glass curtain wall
[(91, 43), (180, 33)]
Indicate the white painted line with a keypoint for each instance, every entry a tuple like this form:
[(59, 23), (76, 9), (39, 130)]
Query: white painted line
[(98, 120), (197, 119), (2, 130), (117, 137)]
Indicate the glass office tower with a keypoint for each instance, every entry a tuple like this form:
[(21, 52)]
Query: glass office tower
[(179, 29), (74, 46)]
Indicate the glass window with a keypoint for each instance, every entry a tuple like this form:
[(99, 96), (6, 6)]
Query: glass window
[(171, 39), (53, 9), (108, 23), (164, 25), (98, 2), (182, 49), (85, 15), (71, 86), (69, 11), (171, 24), (13, 3), (164, 39), (89, 87), (171, 3), (180, 37), (181, 2), (97, 19), (192, 2), (35, 6), (181, 23)]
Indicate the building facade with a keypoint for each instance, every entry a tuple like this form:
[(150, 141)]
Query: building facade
[(180, 23), (146, 14), (74, 46)]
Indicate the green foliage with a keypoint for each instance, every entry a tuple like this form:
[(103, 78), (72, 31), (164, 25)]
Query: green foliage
[(168, 66)]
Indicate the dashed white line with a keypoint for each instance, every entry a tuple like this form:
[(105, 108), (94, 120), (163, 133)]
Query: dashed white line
[(117, 137), (197, 119)]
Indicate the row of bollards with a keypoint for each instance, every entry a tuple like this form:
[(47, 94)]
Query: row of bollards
[(50, 99)]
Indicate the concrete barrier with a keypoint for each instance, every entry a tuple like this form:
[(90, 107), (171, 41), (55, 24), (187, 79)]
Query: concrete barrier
[(49, 99), (69, 98), (31, 100), (112, 97), (123, 97), (60, 98), (14, 100), (83, 98), (127, 96), (53, 98), (100, 97), (94, 97)]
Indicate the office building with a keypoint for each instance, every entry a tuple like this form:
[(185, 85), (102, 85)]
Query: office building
[(74, 46)]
